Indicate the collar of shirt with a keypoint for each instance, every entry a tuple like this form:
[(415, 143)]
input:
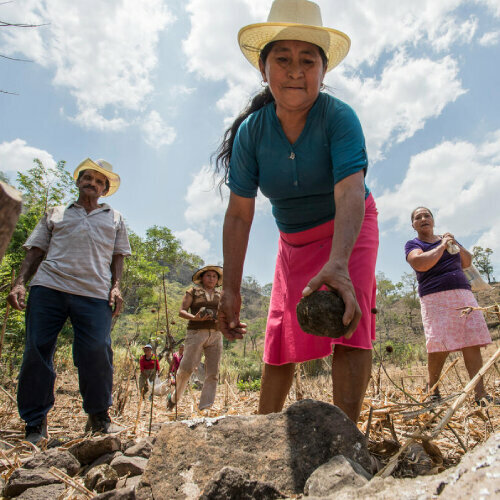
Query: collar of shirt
[(102, 208)]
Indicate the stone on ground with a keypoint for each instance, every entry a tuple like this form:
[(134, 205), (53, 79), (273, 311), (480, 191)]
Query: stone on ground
[(88, 450), (282, 449), (50, 491), (234, 483), (22, 479), (101, 478), (132, 466), (61, 459), (339, 472)]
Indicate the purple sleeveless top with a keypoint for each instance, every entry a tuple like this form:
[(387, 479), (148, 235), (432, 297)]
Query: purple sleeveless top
[(446, 274)]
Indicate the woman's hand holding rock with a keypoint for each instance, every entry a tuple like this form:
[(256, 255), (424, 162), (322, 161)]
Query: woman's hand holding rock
[(338, 279)]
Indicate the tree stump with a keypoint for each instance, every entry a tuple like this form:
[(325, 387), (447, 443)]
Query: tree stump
[(10, 208)]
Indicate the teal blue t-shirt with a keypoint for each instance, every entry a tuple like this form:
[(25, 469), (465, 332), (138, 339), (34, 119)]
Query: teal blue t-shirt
[(298, 178)]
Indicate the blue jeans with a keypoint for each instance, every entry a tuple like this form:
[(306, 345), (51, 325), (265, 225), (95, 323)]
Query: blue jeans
[(46, 313)]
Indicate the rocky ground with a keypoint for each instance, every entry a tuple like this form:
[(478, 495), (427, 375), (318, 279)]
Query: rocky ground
[(310, 450)]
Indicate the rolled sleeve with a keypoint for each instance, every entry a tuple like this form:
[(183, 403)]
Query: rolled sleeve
[(122, 245), (40, 237), (347, 143), (243, 178)]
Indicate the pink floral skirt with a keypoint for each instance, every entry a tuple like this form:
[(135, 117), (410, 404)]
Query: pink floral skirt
[(444, 326), (300, 257)]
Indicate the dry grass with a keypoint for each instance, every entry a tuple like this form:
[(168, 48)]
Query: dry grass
[(386, 417)]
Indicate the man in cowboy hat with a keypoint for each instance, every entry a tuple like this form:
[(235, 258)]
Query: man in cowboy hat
[(77, 252)]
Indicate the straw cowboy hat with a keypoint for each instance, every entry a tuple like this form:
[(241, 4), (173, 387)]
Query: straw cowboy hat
[(104, 168), (198, 274), (293, 20)]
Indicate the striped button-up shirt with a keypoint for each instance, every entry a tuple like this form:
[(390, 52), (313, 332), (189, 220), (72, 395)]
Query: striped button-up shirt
[(79, 247)]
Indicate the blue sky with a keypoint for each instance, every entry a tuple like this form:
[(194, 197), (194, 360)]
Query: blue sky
[(150, 86)]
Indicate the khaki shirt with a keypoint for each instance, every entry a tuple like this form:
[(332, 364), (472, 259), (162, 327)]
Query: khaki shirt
[(79, 249)]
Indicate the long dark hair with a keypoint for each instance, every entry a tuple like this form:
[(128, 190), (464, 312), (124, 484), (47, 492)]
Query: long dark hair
[(258, 101)]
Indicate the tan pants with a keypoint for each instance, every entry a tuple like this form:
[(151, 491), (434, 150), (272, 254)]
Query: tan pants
[(198, 342), (143, 380)]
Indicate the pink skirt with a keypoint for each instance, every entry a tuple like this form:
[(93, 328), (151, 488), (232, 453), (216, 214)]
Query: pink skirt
[(445, 329), (300, 257)]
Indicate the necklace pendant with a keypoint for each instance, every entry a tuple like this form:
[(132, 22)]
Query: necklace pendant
[(292, 156)]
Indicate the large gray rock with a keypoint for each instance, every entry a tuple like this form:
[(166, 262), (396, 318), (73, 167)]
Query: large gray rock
[(88, 450), (234, 483), (101, 478), (61, 459), (282, 449), (476, 476), (133, 466), (50, 491), (22, 479)]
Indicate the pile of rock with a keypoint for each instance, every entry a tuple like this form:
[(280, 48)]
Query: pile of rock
[(106, 466), (311, 449)]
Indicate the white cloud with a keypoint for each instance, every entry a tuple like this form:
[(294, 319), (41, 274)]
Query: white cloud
[(156, 132), (17, 156), (459, 181), (393, 107), (104, 53), (489, 39), (193, 242), (203, 198)]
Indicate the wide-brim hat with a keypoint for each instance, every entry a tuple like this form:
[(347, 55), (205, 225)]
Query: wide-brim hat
[(198, 274), (294, 20), (104, 168)]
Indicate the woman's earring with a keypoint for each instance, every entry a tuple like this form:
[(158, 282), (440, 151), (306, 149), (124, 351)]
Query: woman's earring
[(322, 86), (263, 83)]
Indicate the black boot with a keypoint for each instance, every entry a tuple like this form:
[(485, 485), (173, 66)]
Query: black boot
[(35, 433), (100, 422)]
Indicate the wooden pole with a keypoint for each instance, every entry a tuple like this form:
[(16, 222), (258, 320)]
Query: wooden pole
[(169, 337), (11, 202), (7, 310)]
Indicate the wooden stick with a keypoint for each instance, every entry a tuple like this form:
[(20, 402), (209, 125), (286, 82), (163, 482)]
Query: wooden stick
[(70, 482), (11, 398), (467, 390), (391, 465)]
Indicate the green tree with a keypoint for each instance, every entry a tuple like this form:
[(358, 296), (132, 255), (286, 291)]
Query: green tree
[(411, 301), (41, 187), (481, 258), (388, 293)]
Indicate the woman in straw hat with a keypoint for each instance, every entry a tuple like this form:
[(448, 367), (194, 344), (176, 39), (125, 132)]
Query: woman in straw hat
[(306, 152), (199, 307)]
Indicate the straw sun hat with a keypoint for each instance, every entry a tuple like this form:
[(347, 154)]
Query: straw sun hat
[(104, 168), (293, 20), (197, 276)]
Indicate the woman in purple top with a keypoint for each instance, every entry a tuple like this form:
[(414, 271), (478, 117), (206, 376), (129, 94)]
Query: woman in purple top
[(443, 289)]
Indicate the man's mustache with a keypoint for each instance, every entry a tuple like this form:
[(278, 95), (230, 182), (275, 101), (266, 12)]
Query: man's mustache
[(89, 186)]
